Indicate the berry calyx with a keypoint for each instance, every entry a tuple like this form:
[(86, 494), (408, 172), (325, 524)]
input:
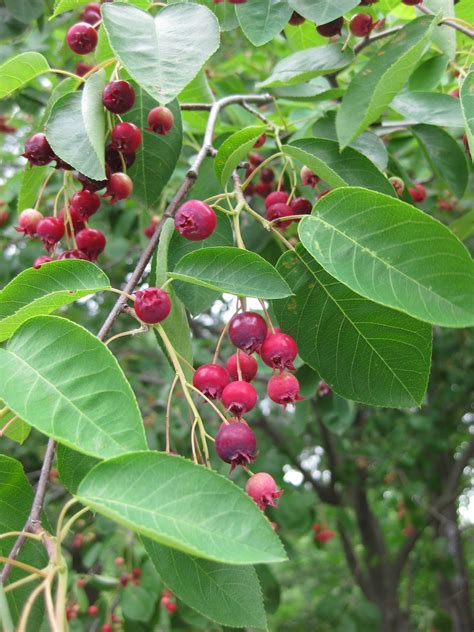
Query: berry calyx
[(247, 331), (277, 197), (195, 220), (91, 242), (38, 151), (236, 444), (211, 380), (278, 351), (39, 261), (152, 305), (82, 38), (301, 206), (263, 490), (261, 140), (239, 397), (308, 177), (118, 96), (417, 192), (160, 120), (126, 137), (296, 19), (28, 221), (84, 204), (278, 211), (330, 29), (119, 187), (50, 230), (248, 366), (361, 24), (284, 389)]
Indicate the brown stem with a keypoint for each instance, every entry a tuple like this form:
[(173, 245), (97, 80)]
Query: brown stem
[(447, 22), (374, 38)]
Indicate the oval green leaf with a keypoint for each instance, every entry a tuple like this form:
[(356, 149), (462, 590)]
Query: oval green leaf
[(261, 20), (20, 70), (233, 149), (467, 104), (436, 107), (31, 181), (322, 11)]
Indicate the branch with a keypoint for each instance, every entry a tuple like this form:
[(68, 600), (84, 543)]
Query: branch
[(448, 22), (374, 38), (353, 562)]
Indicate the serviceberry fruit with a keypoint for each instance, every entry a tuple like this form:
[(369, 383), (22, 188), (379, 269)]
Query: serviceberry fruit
[(38, 151), (211, 380), (73, 254), (126, 137), (263, 490), (278, 351), (276, 212), (239, 397), (84, 204), (398, 185), (91, 242), (261, 140), (277, 197), (195, 220), (119, 187), (115, 159), (301, 206), (107, 627), (82, 68), (91, 185), (76, 220), (82, 38), (4, 217), (248, 366), (418, 193), (92, 611), (308, 177), (28, 221), (361, 24), (152, 305), (263, 188), (331, 28), (296, 19), (247, 331), (39, 261), (160, 120), (118, 96), (50, 230), (91, 17), (236, 444), (267, 175), (284, 389), (255, 158)]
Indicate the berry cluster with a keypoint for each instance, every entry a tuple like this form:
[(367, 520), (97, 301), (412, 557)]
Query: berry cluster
[(168, 602)]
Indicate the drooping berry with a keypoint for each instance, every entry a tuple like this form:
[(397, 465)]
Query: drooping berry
[(248, 366), (277, 197), (398, 185), (73, 254), (152, 305), (91, 241), (93, 611), (296, 19), (247, 331), (418, 193), (115, 159), (91, 185), (126, 137), (50, 230), (278, 211), (38, 151), (61, 165), (263, 490), (39, 261), (160, 120), (255, 158), (28, 221), (211, 380), (195, 220), (308, 177), (301, 206), (119, 187), (263, 188), (236, 444), (278, 351), (107, 627), (91, 17), (261, 140), (284, 389), (330, 29), (118, 96), (82, 68), (361, 24), (239, 397), (82, 38), (267, 175), (84, 204)]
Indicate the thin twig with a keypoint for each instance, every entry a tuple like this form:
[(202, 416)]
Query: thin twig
[(448, 22)]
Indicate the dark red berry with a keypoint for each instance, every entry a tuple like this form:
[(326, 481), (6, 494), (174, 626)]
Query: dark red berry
[(284, 389), (195, 220), (160, 120), (118, 96), (28, 221), (296, 19), (361, 24), (276, 212), (301, 206), (152, 305), (237, 1), (247, 331), (255, 158), (84, 204), (277, 197), (263, 490), (119, 187), (38, 151), (267, 175), (107, 627), (91, 242), (82, 68), (263, 188), (308, 177), (124, 579), (418, 193), (39, 261), (60, 164), (366, 3), (412, 2), (278, 351), (4, 217), (136, 573), (211, 379), (261, 140), (50, 230), (115, 159), (91, 17), (91, 185), (73, 254), (126, 137), (248, 366), (331, 28), (82, 38), (323, 193), (236, 444), (239, 397)]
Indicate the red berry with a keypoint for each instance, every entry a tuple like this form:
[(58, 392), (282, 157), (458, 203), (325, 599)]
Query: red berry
[(119, 187), (260, 141), (171, 607), (126, 137), (255, 158), (118, 96), (278, 351), (361, 24), (50, 230), (106, 627), (324, 535), (38, 151), (91, 17), (82, 38), (239, 397), (77, 221), (195, 220), (73, 254), (277, 197), (91, 242), (267, 175), (160, 120), (247, 331), (262, 488), (248, 366), (323, 389), (4, 217), (115, 159), (296, 19), (84, 204), (211, 379), (91, 185), (284, 389), (92, 611), (82, 68), (418, 193), (301, 206), (308, 177), (263, 188), (277, 211), (119, 561), (39, 261), (398, 185), (136, 573), (28, 221), (150, 229), (366, 3), (331, 28), (152, 305), (236, 444), (124, 579)]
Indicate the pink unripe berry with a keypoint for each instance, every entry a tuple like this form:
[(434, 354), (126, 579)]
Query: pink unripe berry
[(160, 120), (126, 137), (278, 211), (398, 185), (118, 96), (38, 151), (152, 305), (278, 351), (92, 611), (247, 331), (211, 379), (418, 193), (361, 24), (28, 221), (308, 177), (301, 206), (284, 389), (107, 627), (119, 187), (239, 397), (263, 490), (91, 242), (195, 220), (84, 204), (39, 261), (277, 197), (248, 366), (236, 444), (82, 38), (50, 230)]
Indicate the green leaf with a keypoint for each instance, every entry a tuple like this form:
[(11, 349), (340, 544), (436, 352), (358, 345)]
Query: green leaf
[(467, 104), (45, 378), (163, 54), (157, 155), (229, 595), (66, 86), (61, 6), (382, 248), (137, 604), (384, 75), (322, 11), (463, 227), (261, 20), (444, 37), (338, 168), (177, 503), (337, 413), (233, 149), (307, 64), (445, 156), (233, 270), (76, 128), (366, 352), (18, 431), (429, 74), (25, 10), (435, 107), (20, 70), (73, 467), (31, 180), (34, 292)]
